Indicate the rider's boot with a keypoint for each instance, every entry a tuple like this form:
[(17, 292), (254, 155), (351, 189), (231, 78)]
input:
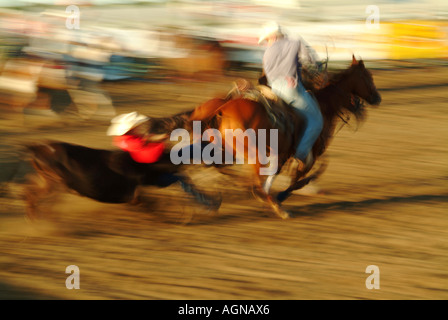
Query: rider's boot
[(305, 165)]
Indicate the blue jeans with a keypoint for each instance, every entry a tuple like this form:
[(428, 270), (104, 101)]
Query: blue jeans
[(304, 103)]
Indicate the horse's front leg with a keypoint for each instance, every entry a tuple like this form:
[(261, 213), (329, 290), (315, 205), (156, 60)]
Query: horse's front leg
[(263, 193), (299, 181)]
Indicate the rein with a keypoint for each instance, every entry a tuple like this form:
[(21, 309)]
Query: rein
[(338, 113), (355, 102)]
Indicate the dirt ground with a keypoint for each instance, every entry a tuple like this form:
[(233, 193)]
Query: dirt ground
[(383, 202)]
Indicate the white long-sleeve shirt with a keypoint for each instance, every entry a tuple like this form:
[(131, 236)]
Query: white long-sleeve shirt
[(285, 57)]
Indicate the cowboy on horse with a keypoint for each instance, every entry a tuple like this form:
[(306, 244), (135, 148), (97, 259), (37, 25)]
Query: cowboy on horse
[(282, 63)]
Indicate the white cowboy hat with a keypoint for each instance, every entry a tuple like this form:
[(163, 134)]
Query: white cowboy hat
[(125, 122), (269, 29)]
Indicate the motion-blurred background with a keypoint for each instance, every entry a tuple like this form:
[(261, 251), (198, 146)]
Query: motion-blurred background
[(118, 39), (382, 200)]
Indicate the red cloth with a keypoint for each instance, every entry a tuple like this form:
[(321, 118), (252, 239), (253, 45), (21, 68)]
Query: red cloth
[(139, 150)]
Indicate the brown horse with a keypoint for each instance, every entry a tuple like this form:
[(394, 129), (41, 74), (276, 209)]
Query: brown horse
[(339, 98)]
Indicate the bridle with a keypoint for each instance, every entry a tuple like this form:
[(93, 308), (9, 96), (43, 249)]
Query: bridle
[(355, 102)]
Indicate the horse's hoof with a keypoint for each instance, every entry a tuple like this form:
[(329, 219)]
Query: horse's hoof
[(282, 214)]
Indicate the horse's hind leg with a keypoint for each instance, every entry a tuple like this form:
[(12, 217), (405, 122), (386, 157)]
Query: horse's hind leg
[(263, 194), (268, 183), (36, 187), (40, 185), (266, 188)]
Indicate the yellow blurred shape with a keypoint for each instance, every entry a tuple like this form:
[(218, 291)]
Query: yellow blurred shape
[(418, 39)]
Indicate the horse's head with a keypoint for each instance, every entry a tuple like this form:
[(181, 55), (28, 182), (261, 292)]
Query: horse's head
[(362, 83)]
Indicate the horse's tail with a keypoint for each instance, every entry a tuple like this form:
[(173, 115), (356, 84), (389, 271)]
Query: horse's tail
[(207, 110)]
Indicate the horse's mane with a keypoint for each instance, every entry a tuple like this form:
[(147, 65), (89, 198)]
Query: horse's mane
[(344, 111), (318, 81), (336, 77)]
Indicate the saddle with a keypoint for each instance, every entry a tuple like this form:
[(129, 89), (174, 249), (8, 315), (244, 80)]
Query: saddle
[(278, 111)]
